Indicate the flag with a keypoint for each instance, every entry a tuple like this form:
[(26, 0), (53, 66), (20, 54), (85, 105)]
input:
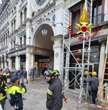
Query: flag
[(84, 18)]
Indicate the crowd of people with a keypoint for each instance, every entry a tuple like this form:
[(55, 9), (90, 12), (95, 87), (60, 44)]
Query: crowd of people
[(14, 85), (90, 85)]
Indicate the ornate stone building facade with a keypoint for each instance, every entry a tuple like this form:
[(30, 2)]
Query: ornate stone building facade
[(31, 34)]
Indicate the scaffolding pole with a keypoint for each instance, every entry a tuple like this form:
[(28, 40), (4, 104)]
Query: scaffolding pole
[(67, 68)]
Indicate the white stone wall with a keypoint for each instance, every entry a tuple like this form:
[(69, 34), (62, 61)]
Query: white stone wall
[(57, 17), (106, 10)]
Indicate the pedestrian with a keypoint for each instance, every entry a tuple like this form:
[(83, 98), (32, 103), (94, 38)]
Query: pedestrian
[(15, 90), (2, 90), (94, 86), (54, 93)]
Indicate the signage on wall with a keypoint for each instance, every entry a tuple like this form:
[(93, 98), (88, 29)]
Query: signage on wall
[(84, 27), (80, 37)]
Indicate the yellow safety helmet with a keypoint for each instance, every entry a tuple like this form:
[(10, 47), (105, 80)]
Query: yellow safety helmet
[(55, 72), (94, 73), (86, 72)]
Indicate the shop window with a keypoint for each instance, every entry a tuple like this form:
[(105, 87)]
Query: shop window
[(33, 14), (94, 57), (21, 18), (14, 24), (98, 14), (75, 15), (24, 39), (21, 41), (25, 14), (75, 19)]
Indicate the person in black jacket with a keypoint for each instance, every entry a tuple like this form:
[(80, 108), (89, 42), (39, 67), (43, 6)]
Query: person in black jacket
[(54, 93), (94, 86), (16, 90), (2, 89)]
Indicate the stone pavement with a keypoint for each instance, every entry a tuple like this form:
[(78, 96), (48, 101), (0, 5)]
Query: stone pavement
[(35, 98)]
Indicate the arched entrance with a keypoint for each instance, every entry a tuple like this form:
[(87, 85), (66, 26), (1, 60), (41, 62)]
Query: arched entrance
[(43, 50)]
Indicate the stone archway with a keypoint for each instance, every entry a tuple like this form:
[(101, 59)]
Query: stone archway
[(43, 50)]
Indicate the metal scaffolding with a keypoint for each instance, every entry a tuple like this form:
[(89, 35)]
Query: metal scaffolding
[(77, 69)]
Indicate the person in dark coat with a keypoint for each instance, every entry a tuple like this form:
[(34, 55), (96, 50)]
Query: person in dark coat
[(2, 90), (16, 91), (94, 86), (54, 93)]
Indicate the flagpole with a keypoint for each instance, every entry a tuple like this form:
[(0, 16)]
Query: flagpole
[(82, 73), (89, 49)]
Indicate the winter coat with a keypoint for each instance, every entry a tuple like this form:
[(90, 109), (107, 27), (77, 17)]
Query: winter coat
[(54, 95)]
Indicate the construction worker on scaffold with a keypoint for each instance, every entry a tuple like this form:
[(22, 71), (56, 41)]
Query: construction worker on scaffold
[(16, 90), (55, 95)]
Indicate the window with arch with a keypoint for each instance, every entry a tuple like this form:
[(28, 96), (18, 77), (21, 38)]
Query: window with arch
[(21, 18), (25, 14), (24, 39), (98, 15), (21, 41)]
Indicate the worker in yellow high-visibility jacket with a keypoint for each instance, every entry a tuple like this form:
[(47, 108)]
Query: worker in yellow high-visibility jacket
[(55, 94), (16, 91)]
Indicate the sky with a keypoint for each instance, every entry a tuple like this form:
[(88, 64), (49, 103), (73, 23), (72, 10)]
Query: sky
[(0, 1)]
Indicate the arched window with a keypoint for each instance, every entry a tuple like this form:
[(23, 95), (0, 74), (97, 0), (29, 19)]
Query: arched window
[(33, 14), (14, 24), (21, 18), (21, 41), (24, 39), (25, 14)]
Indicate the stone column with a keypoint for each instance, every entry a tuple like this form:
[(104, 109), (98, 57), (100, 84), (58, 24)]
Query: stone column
[(101, 71), (23, 16), (17, 17), (5, 63), (58, 37), (10, 63), (29, 57), (32, 60), (59, 19), (29, 61), (106, 10), (58, 53), (17, 62)]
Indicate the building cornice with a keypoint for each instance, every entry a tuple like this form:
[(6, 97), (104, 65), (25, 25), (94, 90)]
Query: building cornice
[(44, 10), (21, 29)]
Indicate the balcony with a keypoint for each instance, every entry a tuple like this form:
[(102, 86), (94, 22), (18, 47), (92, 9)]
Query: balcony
[(17, 48)]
